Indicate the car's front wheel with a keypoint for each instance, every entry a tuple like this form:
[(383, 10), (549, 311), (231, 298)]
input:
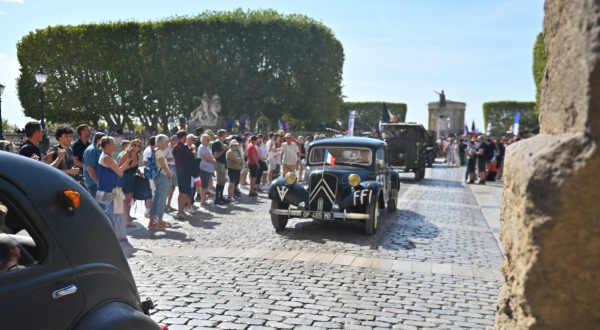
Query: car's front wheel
[(392, 205), (418, 174), (372, 222), (279, 221)]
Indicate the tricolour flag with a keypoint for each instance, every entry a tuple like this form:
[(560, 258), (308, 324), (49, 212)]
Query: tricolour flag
[(280, 125), (329, 159)]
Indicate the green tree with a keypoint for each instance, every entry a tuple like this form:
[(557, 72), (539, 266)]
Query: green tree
[(502, 115), (369, 113), (540, 58), (8, 128), (260, 63)]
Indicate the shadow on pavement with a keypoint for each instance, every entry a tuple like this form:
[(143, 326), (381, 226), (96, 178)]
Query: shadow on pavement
[(396, 231)]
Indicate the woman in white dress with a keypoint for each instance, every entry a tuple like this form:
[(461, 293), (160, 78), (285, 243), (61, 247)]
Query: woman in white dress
[(449, 153)]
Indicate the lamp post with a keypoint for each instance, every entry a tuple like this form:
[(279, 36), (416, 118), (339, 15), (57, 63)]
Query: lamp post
[(41, 77), (1, 92)]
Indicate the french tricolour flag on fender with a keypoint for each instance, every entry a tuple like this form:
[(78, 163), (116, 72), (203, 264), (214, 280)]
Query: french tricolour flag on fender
[(329, 158)]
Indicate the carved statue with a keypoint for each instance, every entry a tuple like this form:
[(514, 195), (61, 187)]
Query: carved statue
[(442, 99), (207, 113)]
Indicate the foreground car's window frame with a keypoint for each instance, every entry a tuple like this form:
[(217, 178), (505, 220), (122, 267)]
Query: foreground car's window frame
[(311, 163)]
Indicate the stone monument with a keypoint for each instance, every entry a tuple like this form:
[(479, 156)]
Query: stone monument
[(550, 217), (207, 114), (453, 110)]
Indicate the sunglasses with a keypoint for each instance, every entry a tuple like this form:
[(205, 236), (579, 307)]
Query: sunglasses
[(136, 145)]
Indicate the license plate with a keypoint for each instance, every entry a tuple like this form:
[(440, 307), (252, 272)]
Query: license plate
[(318, 215)]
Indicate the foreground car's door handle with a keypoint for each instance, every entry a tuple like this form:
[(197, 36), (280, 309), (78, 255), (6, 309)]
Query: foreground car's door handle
[(64, 291)]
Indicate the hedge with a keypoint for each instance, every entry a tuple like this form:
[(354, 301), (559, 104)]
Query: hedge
[(369, 113), (539, 66), (502, 115), (260, 63)]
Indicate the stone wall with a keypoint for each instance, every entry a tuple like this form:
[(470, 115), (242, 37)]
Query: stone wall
[(551, 205), (454, 110)]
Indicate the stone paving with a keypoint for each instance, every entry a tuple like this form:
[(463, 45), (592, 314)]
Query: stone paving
[(433, 264)]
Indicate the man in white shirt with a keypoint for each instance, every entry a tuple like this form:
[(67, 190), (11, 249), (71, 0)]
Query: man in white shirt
[(290, 155)]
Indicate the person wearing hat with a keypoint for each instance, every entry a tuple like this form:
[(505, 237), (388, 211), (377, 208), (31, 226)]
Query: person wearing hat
[(290, 155), (234, 167), (199, 132), (171, 163)]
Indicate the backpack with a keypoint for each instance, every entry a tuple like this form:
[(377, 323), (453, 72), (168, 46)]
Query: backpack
[(151, 169)]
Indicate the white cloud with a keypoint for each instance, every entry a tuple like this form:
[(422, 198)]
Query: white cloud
[(1, 13), (17, 1)]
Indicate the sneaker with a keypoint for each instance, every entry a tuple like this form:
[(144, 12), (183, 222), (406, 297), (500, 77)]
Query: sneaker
[(238, 194), (189, 210), (212, 192), (198, 199), (471, 182), (225, 200), (482, 183), (219, 201)]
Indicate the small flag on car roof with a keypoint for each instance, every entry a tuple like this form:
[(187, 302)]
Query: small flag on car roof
[(329, 158)]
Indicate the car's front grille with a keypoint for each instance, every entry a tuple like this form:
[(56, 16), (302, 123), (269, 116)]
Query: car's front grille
[(322, 191)]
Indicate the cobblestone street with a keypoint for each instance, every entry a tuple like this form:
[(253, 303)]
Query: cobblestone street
[(433, 264)]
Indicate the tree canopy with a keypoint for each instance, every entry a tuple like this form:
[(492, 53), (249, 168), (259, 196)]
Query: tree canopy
[(502, 115), (260, 63), (369, 113), (539, 66)]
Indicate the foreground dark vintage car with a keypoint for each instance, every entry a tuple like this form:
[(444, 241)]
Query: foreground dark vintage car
[(75, 274), (354, 189), (409, 146)]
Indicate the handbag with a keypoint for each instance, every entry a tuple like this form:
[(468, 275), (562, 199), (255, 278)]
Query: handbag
[(192, 167), (104, 197), (141, 189)]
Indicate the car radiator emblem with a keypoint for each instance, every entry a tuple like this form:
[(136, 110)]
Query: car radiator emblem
[(282, 191), (322, 185), (320, 205)]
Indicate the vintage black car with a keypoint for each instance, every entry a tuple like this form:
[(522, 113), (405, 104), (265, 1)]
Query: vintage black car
[(408, 143), (355, 188), (67, 268)]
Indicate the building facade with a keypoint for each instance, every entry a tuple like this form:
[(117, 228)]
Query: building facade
[(452, 117)]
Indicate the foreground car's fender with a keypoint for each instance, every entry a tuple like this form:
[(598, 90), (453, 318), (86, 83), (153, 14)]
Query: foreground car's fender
[(116, 315), (281, 192), (365, 194)]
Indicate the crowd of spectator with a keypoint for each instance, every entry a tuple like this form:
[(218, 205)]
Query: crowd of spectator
[(203, 167)]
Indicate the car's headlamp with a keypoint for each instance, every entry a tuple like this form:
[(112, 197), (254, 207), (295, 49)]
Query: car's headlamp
[(353, 180), (290, 178)]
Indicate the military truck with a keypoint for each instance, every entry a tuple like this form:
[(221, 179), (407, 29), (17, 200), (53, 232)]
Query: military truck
[(408, 144)]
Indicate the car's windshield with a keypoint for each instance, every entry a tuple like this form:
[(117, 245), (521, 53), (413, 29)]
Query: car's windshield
[(397, 131), (342, 155)]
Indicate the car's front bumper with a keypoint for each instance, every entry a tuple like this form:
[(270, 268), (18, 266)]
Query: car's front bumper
[(295, 213)]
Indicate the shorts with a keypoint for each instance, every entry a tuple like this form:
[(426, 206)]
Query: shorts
[(252, 170), (205, 177), (499, 162), (272, 164), (234, 176), (184, 183), (128, 183), (221, 172), (481, 164), (471, 165), (173, 177), (245, 169)]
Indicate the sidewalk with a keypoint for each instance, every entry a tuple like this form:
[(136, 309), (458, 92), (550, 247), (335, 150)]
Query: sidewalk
[(489, 198)]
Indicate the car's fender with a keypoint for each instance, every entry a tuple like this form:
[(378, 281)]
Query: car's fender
[(116, 315), (365, 194), (281, 192), (395, 180)]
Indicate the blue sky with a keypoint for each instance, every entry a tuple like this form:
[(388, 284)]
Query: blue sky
[(396, 51)]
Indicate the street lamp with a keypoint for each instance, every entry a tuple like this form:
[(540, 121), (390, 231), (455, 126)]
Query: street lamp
[(41, 77), (1, 92)]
